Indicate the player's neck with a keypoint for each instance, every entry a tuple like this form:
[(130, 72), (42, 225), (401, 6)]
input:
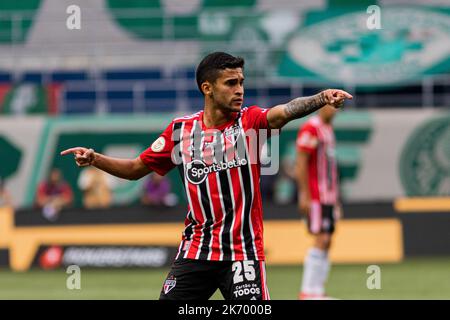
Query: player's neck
[(215, 117), (326, 120)]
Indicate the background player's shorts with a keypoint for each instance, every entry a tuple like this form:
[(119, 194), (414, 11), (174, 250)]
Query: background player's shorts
[(321, 218), (198, 280)]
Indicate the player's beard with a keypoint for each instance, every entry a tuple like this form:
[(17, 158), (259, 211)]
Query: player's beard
[(226, 107)]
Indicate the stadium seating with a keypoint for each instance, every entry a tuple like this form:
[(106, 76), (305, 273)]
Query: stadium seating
[(161, 90)]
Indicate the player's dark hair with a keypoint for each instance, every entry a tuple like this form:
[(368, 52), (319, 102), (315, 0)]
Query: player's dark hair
[(210, 67)]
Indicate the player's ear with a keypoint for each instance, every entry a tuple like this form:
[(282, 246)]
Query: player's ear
[(206, 88)]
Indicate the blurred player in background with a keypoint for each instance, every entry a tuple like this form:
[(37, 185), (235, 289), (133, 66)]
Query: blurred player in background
[(97, 188), (222, 244), (318, 199), (157, 192), (53, 194)]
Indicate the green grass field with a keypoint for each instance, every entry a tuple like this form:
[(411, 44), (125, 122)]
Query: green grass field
[(423, 278)]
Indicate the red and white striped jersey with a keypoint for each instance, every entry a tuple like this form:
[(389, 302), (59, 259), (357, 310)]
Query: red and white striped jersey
[(317, 138), (224, 219)]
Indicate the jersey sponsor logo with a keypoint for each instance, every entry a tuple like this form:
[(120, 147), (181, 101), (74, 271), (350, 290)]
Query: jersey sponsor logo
[(246, 290), (169, 284), (197, 170), (158, 145)]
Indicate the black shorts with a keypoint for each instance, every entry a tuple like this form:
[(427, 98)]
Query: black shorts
[(191, 279), (321, 218)]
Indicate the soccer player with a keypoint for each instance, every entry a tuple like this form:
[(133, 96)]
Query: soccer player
[(318, 198), (222, 243)]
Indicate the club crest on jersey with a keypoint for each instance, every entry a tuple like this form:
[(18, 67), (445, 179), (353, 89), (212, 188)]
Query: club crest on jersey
[(169, 284), (232, 134)]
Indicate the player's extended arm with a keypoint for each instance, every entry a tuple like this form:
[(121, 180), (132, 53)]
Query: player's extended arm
[(281, 114), (304, 197), (131, 169)]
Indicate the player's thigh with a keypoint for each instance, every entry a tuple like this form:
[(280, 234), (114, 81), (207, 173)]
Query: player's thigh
[(328, 219), (321, 218), (244, 280), (189, 280), (323, 240)]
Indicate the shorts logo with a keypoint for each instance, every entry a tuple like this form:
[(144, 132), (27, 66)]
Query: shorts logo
[(169, 284), (247, 290), (326, 223), (158, 145)]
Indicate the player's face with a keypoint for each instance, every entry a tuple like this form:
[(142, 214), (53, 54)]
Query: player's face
[(55, 176), (228, 89)]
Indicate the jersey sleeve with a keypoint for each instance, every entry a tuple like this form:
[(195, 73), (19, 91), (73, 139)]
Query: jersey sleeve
[(307, 139), (158, 157), (257, 118)]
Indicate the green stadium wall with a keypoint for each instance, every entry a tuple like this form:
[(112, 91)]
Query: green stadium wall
[(382, 155)]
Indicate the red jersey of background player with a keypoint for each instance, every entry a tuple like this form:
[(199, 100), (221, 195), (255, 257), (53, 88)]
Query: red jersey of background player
[(224, 219), (317, 138)]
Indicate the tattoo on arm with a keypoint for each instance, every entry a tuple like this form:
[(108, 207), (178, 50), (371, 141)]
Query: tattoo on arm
[(303, 106)]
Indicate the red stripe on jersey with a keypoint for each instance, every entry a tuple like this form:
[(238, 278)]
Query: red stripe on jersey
[(236, 193), (198, 216), (213, 192), (261, 276), (191, 192), (255, 194), (256, 219), (218, 217), (238, 210), (321, 172), (264, 289)]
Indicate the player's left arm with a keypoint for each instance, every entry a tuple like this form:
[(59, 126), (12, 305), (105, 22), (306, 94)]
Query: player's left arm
[(281, 114)]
